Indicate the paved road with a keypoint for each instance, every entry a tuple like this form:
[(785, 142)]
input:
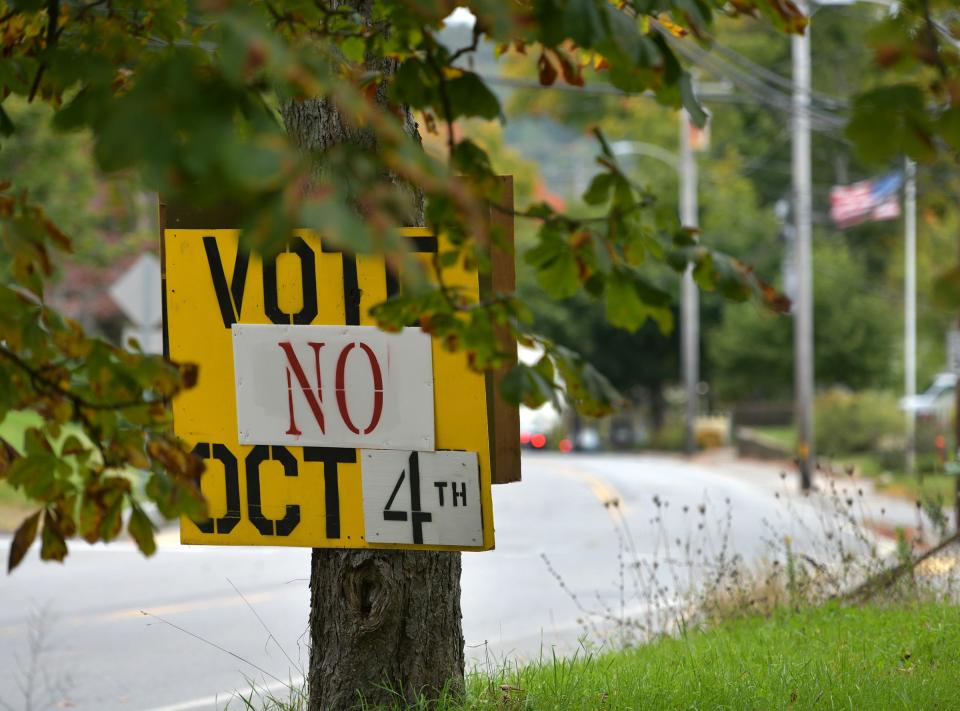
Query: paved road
[(94, 649)]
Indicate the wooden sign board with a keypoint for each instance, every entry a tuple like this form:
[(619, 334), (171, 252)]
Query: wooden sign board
[(318, 429)]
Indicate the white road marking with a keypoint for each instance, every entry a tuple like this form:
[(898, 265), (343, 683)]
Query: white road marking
[(227, 696), (157, 610), (608, 496)]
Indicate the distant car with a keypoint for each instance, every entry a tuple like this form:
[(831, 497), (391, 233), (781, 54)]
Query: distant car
[(536, 426), (587, 440), (533, 440), (936, 402)]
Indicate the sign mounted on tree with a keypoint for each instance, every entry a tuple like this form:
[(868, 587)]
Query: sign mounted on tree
[(316, 428)]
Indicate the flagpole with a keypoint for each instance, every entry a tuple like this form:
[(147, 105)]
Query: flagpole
[(910, 307)]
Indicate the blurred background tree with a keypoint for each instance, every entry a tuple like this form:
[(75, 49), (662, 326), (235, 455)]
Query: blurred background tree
[(747, 354)]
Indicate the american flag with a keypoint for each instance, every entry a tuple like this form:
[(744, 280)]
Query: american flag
[(872, 200)]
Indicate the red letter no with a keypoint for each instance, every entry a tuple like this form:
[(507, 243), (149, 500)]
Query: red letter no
[(314, 402), (342, 392)]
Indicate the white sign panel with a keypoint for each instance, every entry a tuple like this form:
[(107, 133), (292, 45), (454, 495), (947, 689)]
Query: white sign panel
[(148, 338), (334, 386), (421, 497), (138, 291)]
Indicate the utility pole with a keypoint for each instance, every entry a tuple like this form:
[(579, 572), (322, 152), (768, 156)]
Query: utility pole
[(689, 296), (956, 442), (803, 307), (910, 306)]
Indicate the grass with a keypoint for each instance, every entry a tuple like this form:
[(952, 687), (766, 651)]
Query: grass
[(910, 487), (828, 657), (894, 483), (899, 483), (784, 435)]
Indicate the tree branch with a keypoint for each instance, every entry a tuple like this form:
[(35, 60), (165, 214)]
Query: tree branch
[(53, 19), (44, 384), (472, 47), (885, 580), (444, 102), (933, 43)]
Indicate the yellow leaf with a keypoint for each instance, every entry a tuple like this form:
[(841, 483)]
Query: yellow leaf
[(674, 29)]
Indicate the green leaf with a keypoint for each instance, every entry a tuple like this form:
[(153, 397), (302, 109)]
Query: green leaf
[(946, 289), (732, 282), (583, 22), (6, 124), (631, 300), (704, 272), (22, 540), (626, 40), (624, 307), (112, 522), (599, 190), (690, 102), (414, 84), (471, 159), (36, 474), (141, 529), (595, 284), (544, 366), (28, 5), (586, 388), (448, 258), (600, 252), (470, 96), (697, 14), (948, 125), (354, 49), (560, 276), (91, 517), (52, 543), (527, 386), (890, 121)]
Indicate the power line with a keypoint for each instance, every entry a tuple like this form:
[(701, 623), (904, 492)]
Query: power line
[(756, 87), (830, 102), (607, 90)]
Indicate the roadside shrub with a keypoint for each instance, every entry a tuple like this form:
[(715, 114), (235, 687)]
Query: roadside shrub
[(928, 429), (854, 422), (670, 435)]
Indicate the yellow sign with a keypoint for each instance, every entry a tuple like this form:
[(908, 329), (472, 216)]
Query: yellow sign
[(314, 496)]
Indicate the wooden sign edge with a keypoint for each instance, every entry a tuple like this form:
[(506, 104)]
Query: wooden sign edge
[(504, 418)]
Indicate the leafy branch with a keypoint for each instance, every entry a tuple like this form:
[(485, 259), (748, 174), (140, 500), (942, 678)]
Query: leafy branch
[(44, 384)]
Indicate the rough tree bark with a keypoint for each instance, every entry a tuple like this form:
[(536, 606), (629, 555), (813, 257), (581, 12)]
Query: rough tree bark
[(381, 622)]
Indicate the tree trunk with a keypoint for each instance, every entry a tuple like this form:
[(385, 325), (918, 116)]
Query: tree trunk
[(382, 623)]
